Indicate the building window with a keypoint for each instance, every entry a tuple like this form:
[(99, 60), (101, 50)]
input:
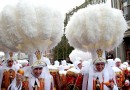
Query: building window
[(128, 1)]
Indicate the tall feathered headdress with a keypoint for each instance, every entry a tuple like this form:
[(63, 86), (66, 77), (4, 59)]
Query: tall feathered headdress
[(75, 54), (30, 26), (96, 27)]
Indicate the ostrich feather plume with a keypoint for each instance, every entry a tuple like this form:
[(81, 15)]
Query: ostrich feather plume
[(96, 27), (85, 56), (31, 26)]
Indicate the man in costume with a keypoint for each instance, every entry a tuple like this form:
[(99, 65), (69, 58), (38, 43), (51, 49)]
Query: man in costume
[(119, 70), (62, 73), (17, 82), (74, 77), (127, 79), (118, 63), (37, 76), (7, 72), (54, 71), (99, 77), (94, 31), (119, 76)]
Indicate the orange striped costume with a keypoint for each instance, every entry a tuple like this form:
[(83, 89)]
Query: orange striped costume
[(25, 84), (94, 85), (8, 77)]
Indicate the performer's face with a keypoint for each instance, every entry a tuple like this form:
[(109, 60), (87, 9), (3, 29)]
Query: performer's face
[(19, 77), (37, 71), (80, 65), (118, 64), (100, 66), (10, 63)]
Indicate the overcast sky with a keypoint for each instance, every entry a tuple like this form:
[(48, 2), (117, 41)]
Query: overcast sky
[(63, 5)]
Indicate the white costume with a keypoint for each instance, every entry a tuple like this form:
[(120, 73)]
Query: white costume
[(103, 76), (45, 76), (76, 64), (56, 64), (11, 71)]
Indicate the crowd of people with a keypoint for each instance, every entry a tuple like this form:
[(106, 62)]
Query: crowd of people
[(100, 74)]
